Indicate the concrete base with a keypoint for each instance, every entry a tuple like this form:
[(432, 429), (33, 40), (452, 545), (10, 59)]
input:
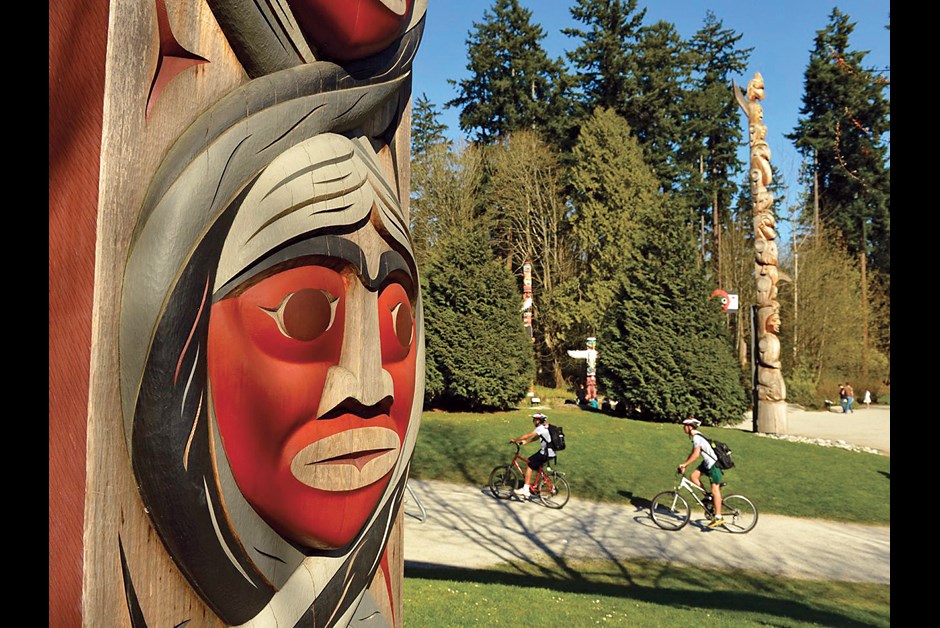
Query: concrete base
[(772, 417)]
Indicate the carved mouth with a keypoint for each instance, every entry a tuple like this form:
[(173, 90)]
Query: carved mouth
[(348, 460)]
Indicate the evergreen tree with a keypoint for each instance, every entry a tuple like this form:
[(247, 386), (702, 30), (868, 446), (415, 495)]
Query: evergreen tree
[(478, 354), (605, 70), (610, 184), (656, 112), (667, 354), (511, 77), (714, 132), (426, 127), (843, 125)]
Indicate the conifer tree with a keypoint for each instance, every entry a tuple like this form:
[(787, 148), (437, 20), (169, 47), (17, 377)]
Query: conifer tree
[(511, 77), (714, 131), (605, 70), (842, 127), (610, 184), (667, 353), (426, 127), (478, 354), (656, 112)]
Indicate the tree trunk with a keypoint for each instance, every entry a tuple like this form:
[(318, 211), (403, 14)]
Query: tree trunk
[(864, 265)]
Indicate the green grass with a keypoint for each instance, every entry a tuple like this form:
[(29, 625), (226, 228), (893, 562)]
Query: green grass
[(634, 593), (625, 461)]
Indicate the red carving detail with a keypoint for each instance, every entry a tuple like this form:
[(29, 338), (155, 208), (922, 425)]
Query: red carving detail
[(353, 29), (171, 59)]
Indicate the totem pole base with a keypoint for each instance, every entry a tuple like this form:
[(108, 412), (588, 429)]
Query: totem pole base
[(772, 417)]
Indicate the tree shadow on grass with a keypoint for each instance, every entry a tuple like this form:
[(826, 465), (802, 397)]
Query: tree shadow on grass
[(763, 603)]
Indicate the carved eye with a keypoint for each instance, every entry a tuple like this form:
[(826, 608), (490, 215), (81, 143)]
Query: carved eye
[(402, 319), (306, 314)]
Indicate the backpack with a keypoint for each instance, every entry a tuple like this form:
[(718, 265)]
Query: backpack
[(557, 434), (723, 452)]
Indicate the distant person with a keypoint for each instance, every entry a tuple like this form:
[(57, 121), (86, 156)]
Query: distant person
[(582, 394), (867, 399), (540, 457), (700, 445), (849, 398), (842, 397)]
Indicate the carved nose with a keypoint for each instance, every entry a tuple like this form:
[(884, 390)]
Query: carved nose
[(359, 378)]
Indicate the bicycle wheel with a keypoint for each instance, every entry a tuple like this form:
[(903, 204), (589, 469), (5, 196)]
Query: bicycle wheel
[(503, 481), (556, 494), (670, 511), (739, 513)]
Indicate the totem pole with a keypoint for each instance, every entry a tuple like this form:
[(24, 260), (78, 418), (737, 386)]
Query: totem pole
[(590, 356), (771, 390), (257, 351), (527, 299)]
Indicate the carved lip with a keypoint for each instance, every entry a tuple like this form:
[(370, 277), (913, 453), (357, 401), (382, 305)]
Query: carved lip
[(347, 460)]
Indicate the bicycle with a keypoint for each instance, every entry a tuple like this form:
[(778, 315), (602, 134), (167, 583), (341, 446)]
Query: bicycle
[(551, 487), (670, 510)]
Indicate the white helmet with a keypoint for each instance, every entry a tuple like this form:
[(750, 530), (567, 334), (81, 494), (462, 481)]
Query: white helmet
[(692, 421)]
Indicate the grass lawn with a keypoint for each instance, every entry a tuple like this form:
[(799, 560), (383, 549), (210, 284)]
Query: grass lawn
[(626, 461), (634, 593)]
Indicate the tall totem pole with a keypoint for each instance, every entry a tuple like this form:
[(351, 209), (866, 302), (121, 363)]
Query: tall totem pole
[(771, 389), (257, 347)]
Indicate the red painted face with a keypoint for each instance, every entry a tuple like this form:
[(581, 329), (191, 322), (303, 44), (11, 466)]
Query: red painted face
[(313, 379)]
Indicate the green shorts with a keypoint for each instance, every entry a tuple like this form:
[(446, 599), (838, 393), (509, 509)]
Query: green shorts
[(714, 474)]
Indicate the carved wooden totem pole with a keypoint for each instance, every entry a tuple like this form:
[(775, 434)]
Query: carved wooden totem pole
[(589, 355), (771, 389), (258, 361), (527, 299)]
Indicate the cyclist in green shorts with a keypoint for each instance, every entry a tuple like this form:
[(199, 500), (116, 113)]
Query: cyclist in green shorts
[(708, 467)]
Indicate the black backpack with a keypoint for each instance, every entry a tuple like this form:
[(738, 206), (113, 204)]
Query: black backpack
[(723, 452), (557, 434)]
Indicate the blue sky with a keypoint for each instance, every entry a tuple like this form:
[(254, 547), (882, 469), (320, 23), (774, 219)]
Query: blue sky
[(781, 33)]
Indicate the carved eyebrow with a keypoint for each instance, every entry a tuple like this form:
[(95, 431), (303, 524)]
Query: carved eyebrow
[(329, 246)]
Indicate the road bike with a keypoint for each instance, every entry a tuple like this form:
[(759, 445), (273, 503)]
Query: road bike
[(671, 511), (551, 487)]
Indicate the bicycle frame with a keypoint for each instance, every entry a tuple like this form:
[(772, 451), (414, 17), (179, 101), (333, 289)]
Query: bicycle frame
[(540, 475), (670, 510), (550, 485), (691, 487)]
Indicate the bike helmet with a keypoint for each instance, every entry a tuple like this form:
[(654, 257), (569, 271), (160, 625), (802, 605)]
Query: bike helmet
[(541, 417), (692, 421)]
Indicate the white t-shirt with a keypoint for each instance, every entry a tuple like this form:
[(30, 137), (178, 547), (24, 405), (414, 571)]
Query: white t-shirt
[(707, 452), (542, 431)]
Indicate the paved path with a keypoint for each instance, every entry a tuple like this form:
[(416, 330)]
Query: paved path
[(467, 527)]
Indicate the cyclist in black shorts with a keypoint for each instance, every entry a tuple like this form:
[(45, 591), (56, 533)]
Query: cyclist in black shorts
[(539, 458)]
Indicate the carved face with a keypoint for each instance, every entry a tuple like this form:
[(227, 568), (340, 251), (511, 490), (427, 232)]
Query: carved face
[(312, 371)]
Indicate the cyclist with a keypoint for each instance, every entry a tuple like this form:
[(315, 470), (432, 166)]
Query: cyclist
[(708, 467), (539, 458)]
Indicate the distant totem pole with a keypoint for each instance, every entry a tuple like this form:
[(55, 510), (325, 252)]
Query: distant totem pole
[(527, 299), (771, 389), (590, 356)]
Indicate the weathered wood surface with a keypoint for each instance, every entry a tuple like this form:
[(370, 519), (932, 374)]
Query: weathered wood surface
[(771, 388), (130, 577), (77, 40)]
